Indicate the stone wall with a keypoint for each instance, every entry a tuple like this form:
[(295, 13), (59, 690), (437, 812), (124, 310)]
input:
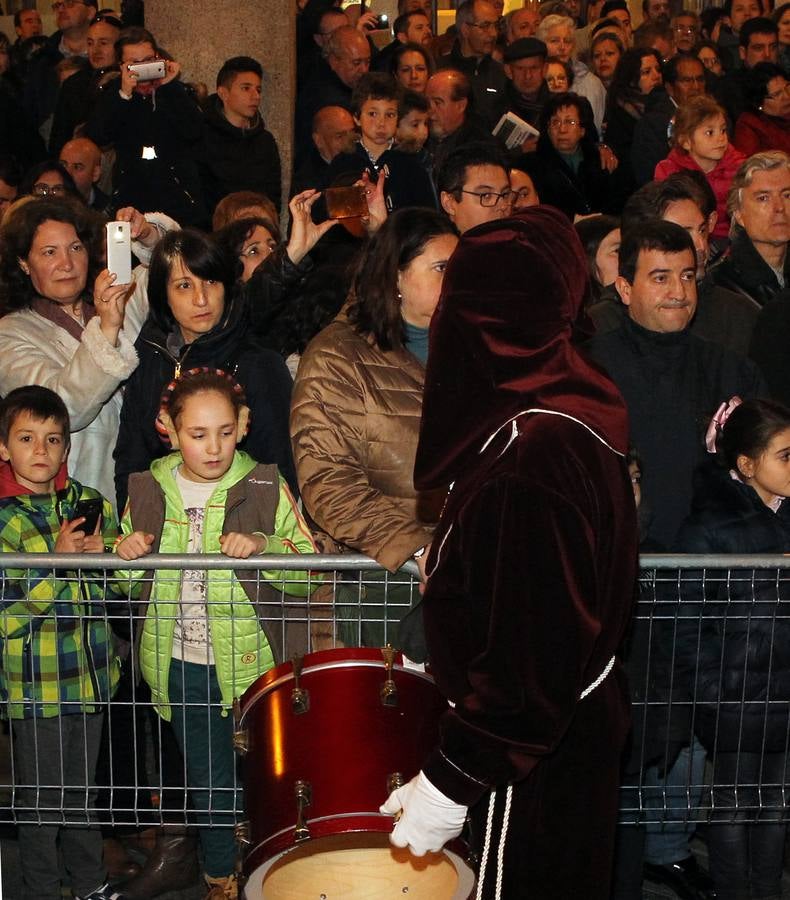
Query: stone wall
[(201, 34)]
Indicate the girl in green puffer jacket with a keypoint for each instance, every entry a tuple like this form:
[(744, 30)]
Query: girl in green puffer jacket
[(202, 643)]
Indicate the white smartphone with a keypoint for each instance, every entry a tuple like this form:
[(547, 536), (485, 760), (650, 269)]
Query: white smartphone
[(119, 251)]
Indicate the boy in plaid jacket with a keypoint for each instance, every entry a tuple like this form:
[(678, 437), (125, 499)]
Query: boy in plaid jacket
[(58, 670)]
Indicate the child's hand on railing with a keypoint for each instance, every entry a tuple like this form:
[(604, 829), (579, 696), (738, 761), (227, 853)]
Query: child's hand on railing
[(241, 546), (135, 545)]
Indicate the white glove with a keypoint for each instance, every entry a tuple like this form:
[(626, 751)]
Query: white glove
[(428, 819)]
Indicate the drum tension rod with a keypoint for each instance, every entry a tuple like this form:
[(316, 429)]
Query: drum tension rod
[(300, 697), (388, 692), (241, 737), (304, 797)]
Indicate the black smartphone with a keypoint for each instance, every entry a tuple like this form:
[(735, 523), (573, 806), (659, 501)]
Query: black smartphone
[(91, 510)]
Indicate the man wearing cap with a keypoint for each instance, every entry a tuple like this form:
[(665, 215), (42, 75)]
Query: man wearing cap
[(525, 91)]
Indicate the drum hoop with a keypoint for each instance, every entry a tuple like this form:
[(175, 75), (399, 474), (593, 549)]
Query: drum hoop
[(385, 820), (466, 875), (250, 701)]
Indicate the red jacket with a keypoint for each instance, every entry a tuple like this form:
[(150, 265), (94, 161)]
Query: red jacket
[(757, 132), (720, 179)]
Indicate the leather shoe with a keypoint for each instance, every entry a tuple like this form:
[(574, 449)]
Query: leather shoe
[(117, 861), (685, 877)]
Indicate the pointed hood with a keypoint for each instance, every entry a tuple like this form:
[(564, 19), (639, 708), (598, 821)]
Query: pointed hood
[(501, 343)]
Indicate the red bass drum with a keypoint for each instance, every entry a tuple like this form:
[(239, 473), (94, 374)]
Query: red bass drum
[(325, 740)]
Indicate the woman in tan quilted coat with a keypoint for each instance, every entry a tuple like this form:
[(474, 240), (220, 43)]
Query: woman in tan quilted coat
[(357, 401)]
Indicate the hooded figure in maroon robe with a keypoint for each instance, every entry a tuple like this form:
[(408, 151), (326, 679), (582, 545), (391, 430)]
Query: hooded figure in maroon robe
[(532, 570)]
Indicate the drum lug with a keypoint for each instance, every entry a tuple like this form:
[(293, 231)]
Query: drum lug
[(304, 797), (300, 698), (241, 833), (241, 737), (388, 692), (394, 781)]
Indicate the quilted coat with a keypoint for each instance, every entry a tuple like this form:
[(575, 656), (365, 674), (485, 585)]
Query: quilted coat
[(355, 419)]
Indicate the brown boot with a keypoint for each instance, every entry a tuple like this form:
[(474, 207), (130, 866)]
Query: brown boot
[(117, 861), (143, 841), (226, 888), (172, 866)]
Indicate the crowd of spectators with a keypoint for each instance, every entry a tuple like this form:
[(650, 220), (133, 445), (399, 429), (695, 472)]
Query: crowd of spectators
[(667, 145)]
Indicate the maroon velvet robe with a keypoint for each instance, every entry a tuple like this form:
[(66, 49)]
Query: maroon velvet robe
[(533, 566)]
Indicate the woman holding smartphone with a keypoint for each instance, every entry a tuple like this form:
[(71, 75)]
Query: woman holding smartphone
[(59, 333)]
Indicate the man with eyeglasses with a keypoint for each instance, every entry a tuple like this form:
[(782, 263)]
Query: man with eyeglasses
[(477, 22), (474, 186), (685, 28), (73, 18), (79, 93), (684, 78)]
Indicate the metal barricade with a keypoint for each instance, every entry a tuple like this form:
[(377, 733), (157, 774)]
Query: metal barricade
[(140, 771), (729, 723)]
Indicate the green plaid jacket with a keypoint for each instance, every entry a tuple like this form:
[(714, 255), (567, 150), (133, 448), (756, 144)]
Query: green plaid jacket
[(56, 650)]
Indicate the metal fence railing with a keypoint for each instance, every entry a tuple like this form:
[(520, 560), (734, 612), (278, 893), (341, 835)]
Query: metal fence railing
[(708, 658)]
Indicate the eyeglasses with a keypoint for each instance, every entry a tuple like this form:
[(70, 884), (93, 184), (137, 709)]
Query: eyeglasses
[(44, 190), (685, 29), (485, 26), (68, 4), (558, 123), (491, 198)]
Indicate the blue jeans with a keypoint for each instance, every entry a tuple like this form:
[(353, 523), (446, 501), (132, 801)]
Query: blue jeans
[(675, 796), (205, 738)]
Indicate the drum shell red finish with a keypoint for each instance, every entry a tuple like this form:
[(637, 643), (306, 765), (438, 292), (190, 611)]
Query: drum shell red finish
[(346, 745)]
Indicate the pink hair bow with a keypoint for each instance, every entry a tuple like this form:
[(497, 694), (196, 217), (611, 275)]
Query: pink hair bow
[(719, 419)]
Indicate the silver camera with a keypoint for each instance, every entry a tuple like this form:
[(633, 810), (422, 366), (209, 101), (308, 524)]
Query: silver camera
[(149, 71)]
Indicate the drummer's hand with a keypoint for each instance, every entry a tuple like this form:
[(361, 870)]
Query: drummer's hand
[(428, 818), (241, 546)]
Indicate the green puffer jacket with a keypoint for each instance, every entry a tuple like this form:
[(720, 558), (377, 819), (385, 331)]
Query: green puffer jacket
[(56, 652), (241, 649)]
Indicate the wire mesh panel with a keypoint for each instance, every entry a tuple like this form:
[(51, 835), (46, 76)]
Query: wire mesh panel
[(118, 686), (708, 661)]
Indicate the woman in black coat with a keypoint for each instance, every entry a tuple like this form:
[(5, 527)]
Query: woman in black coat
[(567, 168), (199, 316), (733, 647)]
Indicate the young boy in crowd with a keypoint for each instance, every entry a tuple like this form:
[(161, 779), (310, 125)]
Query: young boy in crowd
[(238, 152), (375, 109), (58, 670), (413, 127)]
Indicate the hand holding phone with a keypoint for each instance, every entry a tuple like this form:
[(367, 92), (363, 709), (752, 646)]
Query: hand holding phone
[(346, 202), (119, 251), (91, 511)]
